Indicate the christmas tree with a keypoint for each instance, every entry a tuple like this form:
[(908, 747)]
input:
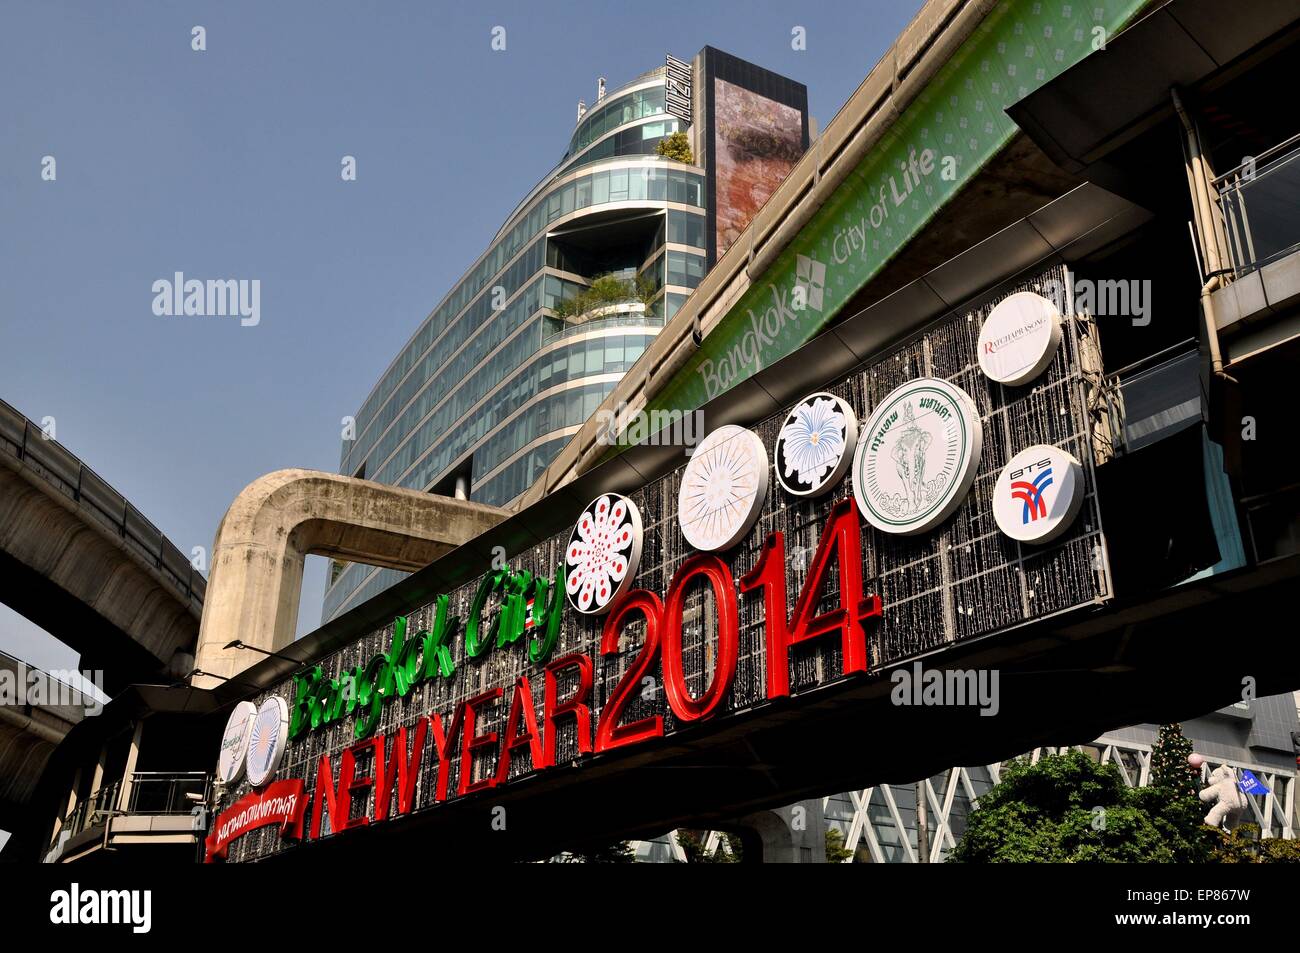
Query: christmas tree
[(1169, 767)]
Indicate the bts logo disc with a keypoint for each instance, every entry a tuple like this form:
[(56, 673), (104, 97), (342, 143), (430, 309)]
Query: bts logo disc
[(1038, 494)]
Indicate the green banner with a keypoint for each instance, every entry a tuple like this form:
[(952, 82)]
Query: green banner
[(940, 142)]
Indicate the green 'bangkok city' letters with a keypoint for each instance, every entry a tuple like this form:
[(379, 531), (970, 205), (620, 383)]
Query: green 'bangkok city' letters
[(319, 701)]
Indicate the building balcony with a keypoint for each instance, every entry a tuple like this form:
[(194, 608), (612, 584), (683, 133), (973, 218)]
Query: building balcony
[(157, 808), (1260, 200), (1260, 205), (624, 314)]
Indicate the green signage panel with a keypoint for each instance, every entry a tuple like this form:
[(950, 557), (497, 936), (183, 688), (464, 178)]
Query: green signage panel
[(944, 137)]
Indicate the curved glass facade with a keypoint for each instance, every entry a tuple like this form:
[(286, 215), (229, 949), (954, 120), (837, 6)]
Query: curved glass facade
[(616, 110), (527, 343), (492, 384)]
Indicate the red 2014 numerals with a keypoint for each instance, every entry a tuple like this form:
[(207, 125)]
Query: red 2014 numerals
[(842, 541), (663, 636), (609, 733), (841, 545)]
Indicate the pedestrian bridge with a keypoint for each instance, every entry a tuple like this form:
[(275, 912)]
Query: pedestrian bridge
[(78, 560), (36, 710)]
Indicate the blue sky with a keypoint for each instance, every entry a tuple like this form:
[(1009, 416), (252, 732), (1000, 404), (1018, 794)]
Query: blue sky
[(225, 164)]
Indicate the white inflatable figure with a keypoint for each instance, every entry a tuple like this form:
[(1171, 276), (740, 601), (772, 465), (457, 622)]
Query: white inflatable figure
[(1226, 797)]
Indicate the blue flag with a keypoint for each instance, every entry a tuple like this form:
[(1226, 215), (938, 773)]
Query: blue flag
[(1250, 784)]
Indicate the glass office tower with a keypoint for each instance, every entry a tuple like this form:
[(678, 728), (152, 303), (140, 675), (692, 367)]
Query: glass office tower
[(523, 349)]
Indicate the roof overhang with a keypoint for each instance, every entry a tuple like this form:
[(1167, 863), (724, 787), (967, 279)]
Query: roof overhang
[(1105, 101)]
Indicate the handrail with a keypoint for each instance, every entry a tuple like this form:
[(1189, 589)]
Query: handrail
[(1282, 146), (79, 818), (172, 800), (1254, 243), (5, 657), (169, 774), (104, 799), (65, 472), (630, 319), (1181, 349)]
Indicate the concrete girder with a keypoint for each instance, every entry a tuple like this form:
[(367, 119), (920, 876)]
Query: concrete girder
[(84, 584), (278, 520)]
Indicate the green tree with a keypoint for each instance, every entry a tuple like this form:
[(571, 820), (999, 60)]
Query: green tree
[(677, 146), (1169, 767), (836, 852), (617, 853), (1171, 799), (606, 290), (693, 847), (1069, 809), (1243, 846)]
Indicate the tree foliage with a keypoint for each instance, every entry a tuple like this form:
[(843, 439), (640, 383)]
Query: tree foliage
[(1067, 808), (836, 852), (1169, 766), (606, 290), (1243, 846), (617, 853), (728, 852), (676, 146)]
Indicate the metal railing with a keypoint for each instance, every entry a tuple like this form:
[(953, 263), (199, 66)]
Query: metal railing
[(167, 792), (152, 793), (64, 471), (567, 329), (91, 811), (1260, 201)]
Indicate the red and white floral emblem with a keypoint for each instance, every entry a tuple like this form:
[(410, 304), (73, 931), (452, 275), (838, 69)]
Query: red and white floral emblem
[(601, 558)]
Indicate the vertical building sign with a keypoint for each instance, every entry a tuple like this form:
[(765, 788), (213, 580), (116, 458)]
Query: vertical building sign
[(677, 89)]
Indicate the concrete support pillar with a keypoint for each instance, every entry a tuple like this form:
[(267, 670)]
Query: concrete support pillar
[(69, 805), (271, 527), (795, 834), (132, 754)]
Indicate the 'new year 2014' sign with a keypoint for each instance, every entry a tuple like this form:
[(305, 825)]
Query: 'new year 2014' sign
[(753, 573), (458, 740)]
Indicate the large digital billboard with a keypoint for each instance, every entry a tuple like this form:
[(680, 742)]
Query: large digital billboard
[(755, 128), (756, 142)]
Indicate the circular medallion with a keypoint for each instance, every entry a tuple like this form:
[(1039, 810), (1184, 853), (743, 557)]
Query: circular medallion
[(815, 445), (267, 739), (723, 488), (1019, 338), (602, 555), (917, 456), (234, 743), (1038, 494)]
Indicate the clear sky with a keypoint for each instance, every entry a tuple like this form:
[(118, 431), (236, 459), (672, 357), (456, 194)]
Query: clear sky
[(225, 163)]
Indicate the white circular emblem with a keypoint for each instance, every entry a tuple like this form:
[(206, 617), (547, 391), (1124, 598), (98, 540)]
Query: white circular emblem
[(1019, 338), (815, 445), (602, 555), (234, 743), (266, 742), (917, 456), (723, 488), (1038, 494)]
